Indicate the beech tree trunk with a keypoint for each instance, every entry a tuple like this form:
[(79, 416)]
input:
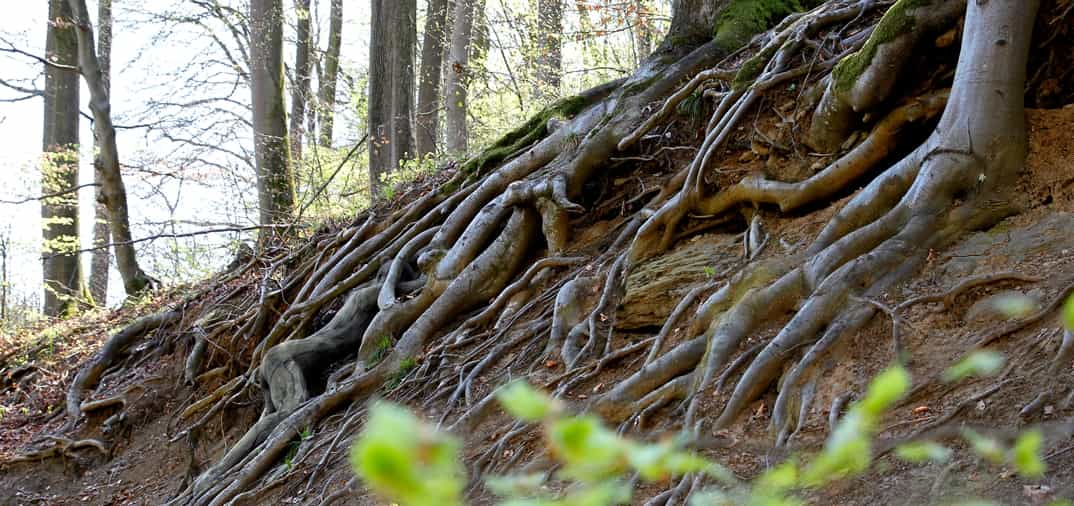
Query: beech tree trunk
[(331, 73), (457, 79), (391, 86), (61, 270), (275, 187), (101, 257), (107, 161), (404, 34), (549, 45), (379, 103), (427, 117), (301, 85)]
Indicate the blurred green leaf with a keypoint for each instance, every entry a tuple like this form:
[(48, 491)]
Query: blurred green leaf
[(1025, 455), (978, 363), (921, 451), (985, 447), (779, 478), (400, 458), (1068, 313), (885, 390), (1015, 305), (524, 485), (525, 402), (590, 452)]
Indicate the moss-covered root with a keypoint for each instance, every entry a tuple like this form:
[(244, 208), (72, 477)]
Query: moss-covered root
[(742, 19), (866, 78)]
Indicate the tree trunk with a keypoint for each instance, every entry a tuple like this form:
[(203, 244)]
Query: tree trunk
[(101, 257), (641, 29), (331, 73), (379, 104), (427, 124), (275, 187), (457, 80), (107, 160), (549, 46), (692, 22), (301, 89), (404, 33), (391, 86), (61, 270)]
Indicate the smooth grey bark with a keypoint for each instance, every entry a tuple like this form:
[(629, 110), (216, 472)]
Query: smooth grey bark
[(61, 272), (106, 162), (427, 114), (275, 187), (301, 87), (331, 73), (549, 45), (100, 258), (692, 22), (456, 80)]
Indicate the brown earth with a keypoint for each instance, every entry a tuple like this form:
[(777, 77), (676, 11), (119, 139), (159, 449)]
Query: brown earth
[(142, 466)]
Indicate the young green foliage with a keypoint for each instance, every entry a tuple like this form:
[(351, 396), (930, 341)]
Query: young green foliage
[(849, 449), (979, 363), (407, 461)]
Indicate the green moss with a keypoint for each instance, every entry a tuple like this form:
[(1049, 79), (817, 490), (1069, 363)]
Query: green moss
[(752, 68), (533, 130), (896, 21), (743, 19)]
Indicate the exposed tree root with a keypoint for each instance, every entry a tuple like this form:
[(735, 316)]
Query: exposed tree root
[(430, 299), (90, 373)]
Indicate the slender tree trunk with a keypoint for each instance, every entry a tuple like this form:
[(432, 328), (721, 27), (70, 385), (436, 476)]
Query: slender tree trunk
[(404, 34), (100, 258), (642, 31), (427, 124), (549, 46), (391, 86), (275, 187), (331, 73), (301, 89), (107, 160), (379, 103), (456, 82), (61, 272)]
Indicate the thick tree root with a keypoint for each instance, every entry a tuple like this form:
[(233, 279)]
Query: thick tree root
[(90, 373), (438, 295)]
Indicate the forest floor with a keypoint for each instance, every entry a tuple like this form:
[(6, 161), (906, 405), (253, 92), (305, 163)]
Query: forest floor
[(141, 466)]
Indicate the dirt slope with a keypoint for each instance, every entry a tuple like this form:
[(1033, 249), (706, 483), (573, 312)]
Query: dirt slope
[(140, 464)]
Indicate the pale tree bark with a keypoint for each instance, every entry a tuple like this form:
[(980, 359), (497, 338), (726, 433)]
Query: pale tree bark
[(391, 86), (549, 45), (692, 22), (427, 117), (301, 85), (61, 270), (456, 81), (331, 73), (106, 163), (275, 187), (99, 260)]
